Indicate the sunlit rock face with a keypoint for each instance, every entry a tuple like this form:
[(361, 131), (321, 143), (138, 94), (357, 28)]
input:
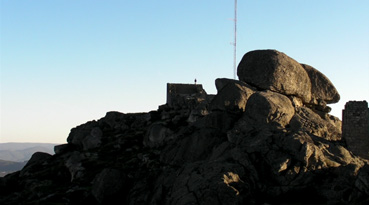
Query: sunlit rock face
[(269, 107), (232, 95), (275, 71), (264, 139)]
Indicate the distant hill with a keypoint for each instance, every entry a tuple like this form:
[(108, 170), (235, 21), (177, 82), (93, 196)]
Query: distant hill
[(7, 167), (20, 152)]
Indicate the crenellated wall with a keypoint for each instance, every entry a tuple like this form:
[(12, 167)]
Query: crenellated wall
[(355, 127)]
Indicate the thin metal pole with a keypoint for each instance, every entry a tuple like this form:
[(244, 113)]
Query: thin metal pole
[(235, 41)]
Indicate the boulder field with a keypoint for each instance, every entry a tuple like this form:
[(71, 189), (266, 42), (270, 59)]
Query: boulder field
[(267, 138)]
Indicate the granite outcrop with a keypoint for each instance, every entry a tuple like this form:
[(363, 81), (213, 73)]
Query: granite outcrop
[(267, 138)]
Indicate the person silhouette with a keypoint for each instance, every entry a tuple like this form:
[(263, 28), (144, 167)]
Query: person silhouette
[(195, 81)]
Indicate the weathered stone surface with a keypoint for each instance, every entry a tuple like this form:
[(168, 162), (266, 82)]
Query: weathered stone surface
[(308, 121), (191, 147), (222, 121), (108, 186), (198, 112), (221, 82), (62, 148), (93, 140), (156, 135), (37, 159), (232, 95), (210, 183), (116, 121), (322, 88), (74, 165), (275, 71), (79, 133), (269, 107)]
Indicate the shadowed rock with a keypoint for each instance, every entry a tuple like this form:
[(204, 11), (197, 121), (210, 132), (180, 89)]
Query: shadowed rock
[(37, 159), (107, 185), (156, 135), (308, 121), (232, 95), (322, 88)]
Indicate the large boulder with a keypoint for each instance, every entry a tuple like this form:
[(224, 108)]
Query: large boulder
[(36, 160), (78, 134), (269, 107), (321, 87), (275, 71), (156, 135), (232, 95), (220, 83), (93, 140), (73, 163), (108, 185)]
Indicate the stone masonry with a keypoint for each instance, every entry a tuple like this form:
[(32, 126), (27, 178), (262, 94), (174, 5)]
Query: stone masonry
[(355, 127), (184, 94)]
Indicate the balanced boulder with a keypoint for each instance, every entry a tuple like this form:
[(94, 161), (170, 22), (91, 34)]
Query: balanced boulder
[(321, 87), (275, 71)]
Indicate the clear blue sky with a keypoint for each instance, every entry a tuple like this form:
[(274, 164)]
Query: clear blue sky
[(65, 62)]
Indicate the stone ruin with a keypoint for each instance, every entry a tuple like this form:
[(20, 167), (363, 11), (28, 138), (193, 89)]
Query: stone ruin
[(184, 94), (355, 127)]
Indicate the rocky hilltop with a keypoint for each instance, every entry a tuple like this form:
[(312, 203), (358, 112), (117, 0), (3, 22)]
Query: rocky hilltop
[(265, 139)]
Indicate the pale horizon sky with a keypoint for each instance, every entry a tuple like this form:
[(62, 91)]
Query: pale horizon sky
[(66, 62)]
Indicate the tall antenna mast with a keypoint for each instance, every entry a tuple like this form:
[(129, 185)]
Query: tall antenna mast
[(235, 41)]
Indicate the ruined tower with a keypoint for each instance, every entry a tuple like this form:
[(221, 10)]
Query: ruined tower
[(355, 127)]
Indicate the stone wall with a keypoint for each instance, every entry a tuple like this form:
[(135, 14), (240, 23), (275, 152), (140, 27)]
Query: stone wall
[(183, 94), (355, 127)]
